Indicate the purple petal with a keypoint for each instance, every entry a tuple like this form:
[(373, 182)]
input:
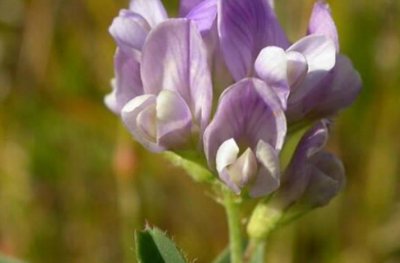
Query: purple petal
[(187, 5), (268, 177), (227, 154), (204, 15), (152, 10), (344, 84), (327, 178), (139, 116), (158, 122), (297, 67), (320, 54), (318, 50), (174, 120), (175, 58), (321, 22), (127, 83), (336, 90), (271, 66), (280, 70), (245, 27), (235, 172), (129, 30), (297, 174), (248, 111)]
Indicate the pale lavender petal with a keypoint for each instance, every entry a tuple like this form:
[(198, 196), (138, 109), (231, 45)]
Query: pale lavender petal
[(127, 83), (139, 116), (320, 54), (245, 167), (152, 10), (281, 70), (271, 3), (248, 111), (129, 30), (204, 15), (174, 120), (226, 178), (297, 67), (110, 100), (158, 122), (271, 66), (327, 178), (227, 154), (187, 5), (319, 51), (175, 58), (235, 172), (268, 178), (245, 27), (321, 22)]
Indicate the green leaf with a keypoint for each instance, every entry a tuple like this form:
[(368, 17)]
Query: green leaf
[(153, 246), (193, 164), (4, 259), (224, 257)]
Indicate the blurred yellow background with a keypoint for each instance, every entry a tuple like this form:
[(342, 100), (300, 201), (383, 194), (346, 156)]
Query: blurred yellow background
[(74, 185)]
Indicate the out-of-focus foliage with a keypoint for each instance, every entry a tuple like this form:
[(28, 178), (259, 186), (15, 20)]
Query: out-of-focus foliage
[(74, 186)]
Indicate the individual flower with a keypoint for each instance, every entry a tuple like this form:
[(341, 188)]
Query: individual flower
[(177, 95), (313, 176), (243, 141), (162, 86), (130, 30), (322, 94), (309, 59)]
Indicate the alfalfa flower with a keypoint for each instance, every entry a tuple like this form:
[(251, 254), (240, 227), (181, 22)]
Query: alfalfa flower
[(243, 141), (163, 91)]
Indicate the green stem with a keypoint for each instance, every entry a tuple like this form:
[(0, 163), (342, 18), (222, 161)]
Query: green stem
[(235, 236), (255, 248)]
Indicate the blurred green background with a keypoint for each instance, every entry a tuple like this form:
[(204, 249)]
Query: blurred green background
[(74, 185)]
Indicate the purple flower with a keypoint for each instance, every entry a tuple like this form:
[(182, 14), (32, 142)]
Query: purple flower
[(322, 94), (243, 140), (313, 176), (130, 30), (177, 88), (310, 78), (163, 91), (162, 86), (306, 60)]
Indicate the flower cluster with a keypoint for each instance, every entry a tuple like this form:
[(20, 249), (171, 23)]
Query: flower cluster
[(168, 69)]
